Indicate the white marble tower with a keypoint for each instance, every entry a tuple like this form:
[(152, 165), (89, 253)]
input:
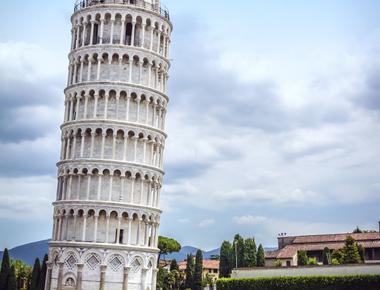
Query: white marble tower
[(107, 212)]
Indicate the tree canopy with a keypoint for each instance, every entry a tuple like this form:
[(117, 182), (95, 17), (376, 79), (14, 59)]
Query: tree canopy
[(167, 246)]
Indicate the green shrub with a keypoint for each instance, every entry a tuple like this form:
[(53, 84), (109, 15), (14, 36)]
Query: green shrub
[(335, 262), (312, 261), (365, 282), (278, 263)]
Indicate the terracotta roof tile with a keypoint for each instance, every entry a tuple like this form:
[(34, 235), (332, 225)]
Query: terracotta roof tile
[(291, 250), (207, 264), (336, 238)]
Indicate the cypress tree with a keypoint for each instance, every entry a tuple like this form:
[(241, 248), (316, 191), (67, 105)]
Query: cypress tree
[(326, 256), (189, 272), (250, 253), (198, 271), (260, 256), (35, 275), (226, 257), (11, 283), (42, 276), (5, 270), (174, 265), (239, 250)]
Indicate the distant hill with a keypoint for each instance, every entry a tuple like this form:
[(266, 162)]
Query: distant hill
[(186, 250), (29, 252)]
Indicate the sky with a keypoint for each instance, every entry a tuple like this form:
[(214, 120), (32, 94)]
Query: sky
[(273, 121)]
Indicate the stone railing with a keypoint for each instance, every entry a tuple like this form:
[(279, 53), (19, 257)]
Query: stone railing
[(81, 4)]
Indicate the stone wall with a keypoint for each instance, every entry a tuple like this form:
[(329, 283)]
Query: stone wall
[(368, 269)]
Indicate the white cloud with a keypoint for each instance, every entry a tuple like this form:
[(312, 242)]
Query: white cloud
[(29, 197), (184, 221), (249, 220), (206, 223)]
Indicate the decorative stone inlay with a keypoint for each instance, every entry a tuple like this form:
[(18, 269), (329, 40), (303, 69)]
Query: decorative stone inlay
[(116, 263), (70, 262), (93, 261)]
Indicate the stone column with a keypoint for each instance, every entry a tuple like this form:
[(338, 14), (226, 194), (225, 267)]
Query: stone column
[(96, 97), (60, 276), (79, 276), (143, 277), (96, 228), (90, 60), (130, 70), (143, 35), (112, 30), (49, 266), (129, 230), (159, 42), (154, 279), (107, 228), (101, 31), (125, 278), (151, 37), (84, 227), (103, 269), (92, 33), (85, 105), (118, 230), (128, 104), (133, 33), (122, 34)]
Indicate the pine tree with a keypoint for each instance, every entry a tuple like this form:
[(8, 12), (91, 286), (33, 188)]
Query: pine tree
[(351, 253), (302, 259), (326, 256), (35, 275), (260, 256), (11, 283), (250, 253), (198, 271), (189, 272), (226, 257), (42, 276), (5, 270), (174, 265)]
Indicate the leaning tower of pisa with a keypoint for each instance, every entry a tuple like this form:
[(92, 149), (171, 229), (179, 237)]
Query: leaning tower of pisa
[(107, 209)]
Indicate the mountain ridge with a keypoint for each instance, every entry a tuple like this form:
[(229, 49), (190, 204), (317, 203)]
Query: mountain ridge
[(30, 251)]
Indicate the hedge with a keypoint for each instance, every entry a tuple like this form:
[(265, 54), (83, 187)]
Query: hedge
[(364, 282)]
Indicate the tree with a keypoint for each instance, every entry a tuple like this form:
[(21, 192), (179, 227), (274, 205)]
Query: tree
[(238, 250), (23, 273), (198, 271), (357, 231), (351, 253), (326, 256), (42, 276), (174, 265), (189, 272), (35, 275), (337, 255), (361, 253), (11, 283), (250, 253), (167, 246), (260, 256), (5, 270), (302, 259), (226, 260)]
